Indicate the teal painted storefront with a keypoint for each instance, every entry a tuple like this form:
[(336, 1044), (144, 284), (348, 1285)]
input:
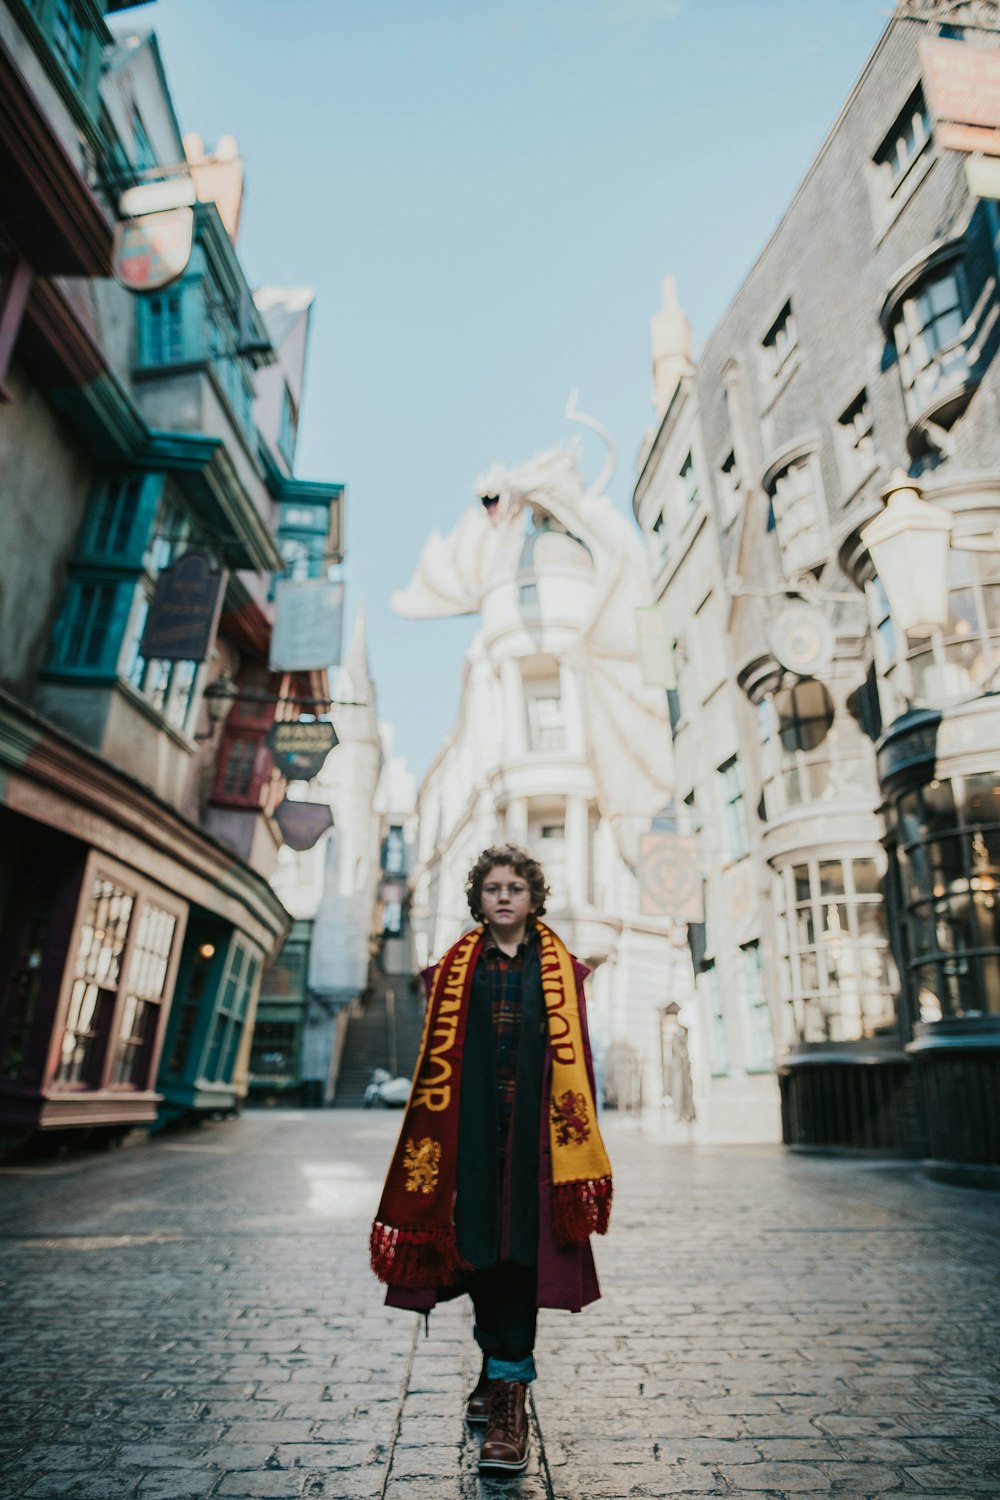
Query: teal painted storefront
[(210, 1019), (276, 1054)]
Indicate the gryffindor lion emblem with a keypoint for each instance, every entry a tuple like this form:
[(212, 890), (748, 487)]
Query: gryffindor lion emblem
[(569, 1116), (422, 1164)]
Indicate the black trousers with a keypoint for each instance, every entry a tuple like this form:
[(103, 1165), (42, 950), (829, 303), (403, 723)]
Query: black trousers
[(505, 1299)]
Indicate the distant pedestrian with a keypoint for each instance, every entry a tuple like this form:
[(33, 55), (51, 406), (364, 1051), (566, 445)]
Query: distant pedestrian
[(500, 1175)]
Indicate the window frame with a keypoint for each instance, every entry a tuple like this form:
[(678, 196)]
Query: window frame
[(758, 1033), (892, 189), (812, 944), (778, 352), (143, 893), (732, 798), (806, 545), (951, 374), (855, 436)]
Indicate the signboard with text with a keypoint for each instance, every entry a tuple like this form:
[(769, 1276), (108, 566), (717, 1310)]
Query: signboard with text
[(184, 610), (299, 747), (306, 634)]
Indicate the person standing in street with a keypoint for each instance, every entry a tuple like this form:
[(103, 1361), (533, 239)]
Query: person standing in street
[(500, 1175)]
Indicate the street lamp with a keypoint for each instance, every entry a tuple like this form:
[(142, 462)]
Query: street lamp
[(908, 545), (219, 697)]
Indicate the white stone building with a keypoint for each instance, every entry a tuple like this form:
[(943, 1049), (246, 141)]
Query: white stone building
[(557, 745), (736, 1092)]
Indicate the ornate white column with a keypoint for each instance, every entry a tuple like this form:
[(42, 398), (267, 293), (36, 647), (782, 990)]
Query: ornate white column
[(572, 708), (517, 821), (577, 851), (513, 706)]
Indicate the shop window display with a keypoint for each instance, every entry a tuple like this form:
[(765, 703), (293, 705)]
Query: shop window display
[(834, 961), (949, 860)]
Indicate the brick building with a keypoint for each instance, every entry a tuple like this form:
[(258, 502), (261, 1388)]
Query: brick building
[(137, 431), (844, 774)]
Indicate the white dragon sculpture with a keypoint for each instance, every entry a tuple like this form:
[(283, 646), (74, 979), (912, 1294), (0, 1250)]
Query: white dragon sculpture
[(628, 741)]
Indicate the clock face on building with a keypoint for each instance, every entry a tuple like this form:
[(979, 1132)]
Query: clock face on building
[(801, 640)]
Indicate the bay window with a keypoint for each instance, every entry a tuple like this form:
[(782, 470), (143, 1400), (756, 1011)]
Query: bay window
[(834, 956), (949, 860), (928, 333)]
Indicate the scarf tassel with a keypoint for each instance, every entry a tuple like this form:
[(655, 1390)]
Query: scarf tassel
[(581, 1209), (415, 1258)]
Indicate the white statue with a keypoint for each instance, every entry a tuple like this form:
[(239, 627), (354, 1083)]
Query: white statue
[(628, 741)]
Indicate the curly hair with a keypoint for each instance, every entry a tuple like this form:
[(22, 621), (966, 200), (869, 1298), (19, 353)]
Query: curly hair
[(513, 857)]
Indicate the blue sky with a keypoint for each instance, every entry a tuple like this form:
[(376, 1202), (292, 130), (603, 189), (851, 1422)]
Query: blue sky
[(485, 195)]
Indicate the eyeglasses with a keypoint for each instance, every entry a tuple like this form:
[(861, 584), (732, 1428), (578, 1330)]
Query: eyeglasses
[(515, 890)]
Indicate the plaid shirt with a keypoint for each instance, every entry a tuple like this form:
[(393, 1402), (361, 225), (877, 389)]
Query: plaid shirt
[(506, 973)]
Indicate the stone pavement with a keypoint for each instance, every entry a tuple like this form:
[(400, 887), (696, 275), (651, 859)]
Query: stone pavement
[(195, 1317)]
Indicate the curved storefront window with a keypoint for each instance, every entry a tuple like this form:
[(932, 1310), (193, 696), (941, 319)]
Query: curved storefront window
[(810, 752), (949, 859), (951, 664), (833, 950)]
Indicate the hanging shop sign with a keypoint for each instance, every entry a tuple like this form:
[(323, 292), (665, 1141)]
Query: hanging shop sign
[(299, 747), (184, 610), (153, 250), (801, 640), (302, 824), (308, 620), (669, 872), (656, 649), (961, 85)]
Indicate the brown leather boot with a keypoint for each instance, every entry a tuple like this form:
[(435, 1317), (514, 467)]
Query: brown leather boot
[(477, 1408), (505, 1447)]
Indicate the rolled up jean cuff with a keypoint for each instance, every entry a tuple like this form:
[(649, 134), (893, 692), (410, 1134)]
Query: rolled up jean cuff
[(511, 1369)]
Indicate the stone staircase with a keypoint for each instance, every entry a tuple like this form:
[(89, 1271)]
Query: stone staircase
[(384, 1034)]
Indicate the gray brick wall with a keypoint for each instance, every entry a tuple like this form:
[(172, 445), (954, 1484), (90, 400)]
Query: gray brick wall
[(828, 257)]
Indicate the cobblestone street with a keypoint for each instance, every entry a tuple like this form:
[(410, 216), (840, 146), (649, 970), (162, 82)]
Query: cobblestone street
[(196, 1318)]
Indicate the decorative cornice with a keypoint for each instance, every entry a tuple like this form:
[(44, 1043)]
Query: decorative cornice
[(207, 472), (976, 15), (57, 345), (114, 804), (55, 220), (105, 418)]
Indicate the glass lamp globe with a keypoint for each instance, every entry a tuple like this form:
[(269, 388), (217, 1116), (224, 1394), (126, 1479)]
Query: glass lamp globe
[(908, 545)]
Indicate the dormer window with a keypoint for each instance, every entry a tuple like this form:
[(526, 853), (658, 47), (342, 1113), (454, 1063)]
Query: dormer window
[(906, 140), (778, 345), (688, 487), (900, 163), (661, 538), (730, 489), (855, 433)]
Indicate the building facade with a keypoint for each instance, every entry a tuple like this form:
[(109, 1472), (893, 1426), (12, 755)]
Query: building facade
[(332, 888), (558, 746), (864, 760), (137, 828)]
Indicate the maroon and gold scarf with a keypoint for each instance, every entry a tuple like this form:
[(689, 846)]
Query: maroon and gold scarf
[(413, 1236)]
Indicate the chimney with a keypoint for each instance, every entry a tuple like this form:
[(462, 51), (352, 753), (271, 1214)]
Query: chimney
[(218, 177), (670, 338)]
